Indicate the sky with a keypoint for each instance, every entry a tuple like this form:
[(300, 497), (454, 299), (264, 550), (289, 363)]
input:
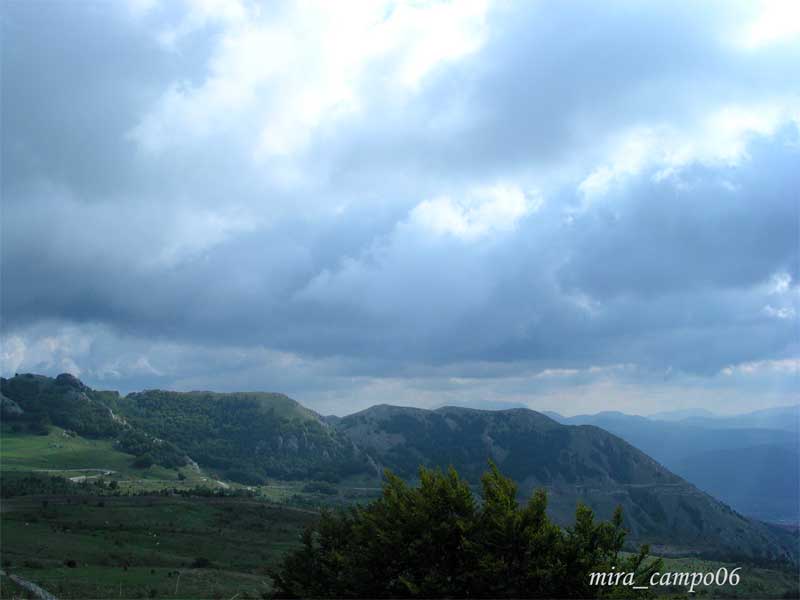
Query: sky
[(573, 206)]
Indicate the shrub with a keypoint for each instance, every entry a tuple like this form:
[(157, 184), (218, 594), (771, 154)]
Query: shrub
[(143, 462), (201, 563), (437, 541)]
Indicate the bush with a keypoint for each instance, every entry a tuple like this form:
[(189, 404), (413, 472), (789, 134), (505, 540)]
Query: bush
[(143, 462), (437, 541), (202, 563)]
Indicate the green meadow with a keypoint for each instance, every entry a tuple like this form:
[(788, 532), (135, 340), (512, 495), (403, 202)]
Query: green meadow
[(146, 546)]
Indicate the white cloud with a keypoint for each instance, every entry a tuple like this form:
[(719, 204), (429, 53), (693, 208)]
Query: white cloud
[(776, 21), (12, 354), (483, 211), (719, 137), (782, 312), (780, 283), (281, 79), (786, 366), (58, 350)]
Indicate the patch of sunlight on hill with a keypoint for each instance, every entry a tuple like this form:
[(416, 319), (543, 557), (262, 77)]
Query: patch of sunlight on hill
[(60, 451)]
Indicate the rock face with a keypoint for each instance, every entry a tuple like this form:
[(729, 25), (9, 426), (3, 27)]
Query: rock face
[(573, 463)]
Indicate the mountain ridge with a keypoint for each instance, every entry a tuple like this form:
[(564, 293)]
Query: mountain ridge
[(248, 436), (574, 463)]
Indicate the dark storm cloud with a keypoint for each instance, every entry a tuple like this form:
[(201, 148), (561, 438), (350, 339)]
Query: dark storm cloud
[(139, 214), (75, 75)]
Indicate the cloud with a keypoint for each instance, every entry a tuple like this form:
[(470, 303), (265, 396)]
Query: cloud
[(491, 209), (381, 202), (283, 79)]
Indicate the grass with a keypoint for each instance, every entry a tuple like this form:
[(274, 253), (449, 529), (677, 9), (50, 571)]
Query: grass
[(64, 455), (25, 452), (755, 582), (70, 455), (144, 582), (137, 546), (11, 589), (149, 546)]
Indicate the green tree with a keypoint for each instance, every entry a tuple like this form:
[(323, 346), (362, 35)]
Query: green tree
[(436, 540)]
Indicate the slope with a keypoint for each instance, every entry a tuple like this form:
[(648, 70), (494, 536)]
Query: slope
[(701, 452), (245, 436), (574, 463)]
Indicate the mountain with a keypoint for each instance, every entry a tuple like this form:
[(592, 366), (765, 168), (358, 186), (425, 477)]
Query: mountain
[(242, 437), (690, 448), (573, 463), (246, 437), (679, 415), (485, 404)]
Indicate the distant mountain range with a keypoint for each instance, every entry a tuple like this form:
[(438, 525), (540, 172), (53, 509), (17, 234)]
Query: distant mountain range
[(249, 436), (679, 415), (750, 461), (786, 418)]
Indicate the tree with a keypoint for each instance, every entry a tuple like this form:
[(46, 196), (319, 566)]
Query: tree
[(436, 540)]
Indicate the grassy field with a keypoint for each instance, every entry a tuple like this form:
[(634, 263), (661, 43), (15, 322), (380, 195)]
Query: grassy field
[(173, 547), (143, 546), (137, 546), (61, 453), (75, 457)]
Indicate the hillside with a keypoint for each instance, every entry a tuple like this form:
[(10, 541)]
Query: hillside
[(574, 463), (33, 403), (762, 481), (246, 437), (242, 437), (701, 450)]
